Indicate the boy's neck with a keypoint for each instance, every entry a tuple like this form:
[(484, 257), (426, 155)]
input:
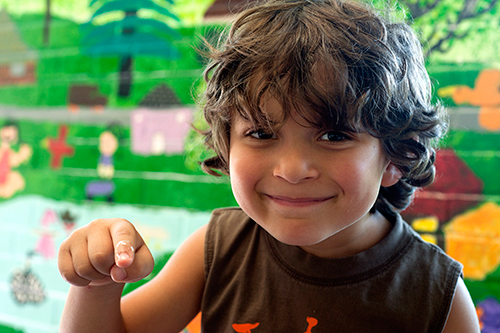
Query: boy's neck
[(356, 238)]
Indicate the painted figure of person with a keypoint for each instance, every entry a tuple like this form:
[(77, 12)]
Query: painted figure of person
[(104, 186), (11, 181)]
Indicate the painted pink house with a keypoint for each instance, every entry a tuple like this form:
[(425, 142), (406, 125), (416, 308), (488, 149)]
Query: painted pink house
[(157, 132)]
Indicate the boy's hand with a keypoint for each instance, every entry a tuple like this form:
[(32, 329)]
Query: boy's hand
[(103, 252)]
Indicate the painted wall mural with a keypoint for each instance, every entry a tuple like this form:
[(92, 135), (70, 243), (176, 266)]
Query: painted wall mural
[(96, 97)]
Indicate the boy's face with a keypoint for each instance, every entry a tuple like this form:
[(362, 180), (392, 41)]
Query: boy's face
[(307, 187)]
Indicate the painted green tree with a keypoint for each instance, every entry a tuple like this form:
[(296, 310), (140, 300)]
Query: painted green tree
[(46, 24), (442, 23), (130, 35)]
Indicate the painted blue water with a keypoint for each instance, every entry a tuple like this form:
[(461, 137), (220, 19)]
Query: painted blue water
[(33, 224)]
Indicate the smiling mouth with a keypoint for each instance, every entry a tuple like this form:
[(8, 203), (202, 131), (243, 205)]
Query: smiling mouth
[(297, 202)]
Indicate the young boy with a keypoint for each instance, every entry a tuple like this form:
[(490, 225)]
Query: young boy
[(319, 112)]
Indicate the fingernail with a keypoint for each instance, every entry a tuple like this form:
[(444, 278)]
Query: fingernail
[(124, 251), (123, 256)]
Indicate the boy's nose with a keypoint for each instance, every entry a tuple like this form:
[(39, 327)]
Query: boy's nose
[(295, 165)]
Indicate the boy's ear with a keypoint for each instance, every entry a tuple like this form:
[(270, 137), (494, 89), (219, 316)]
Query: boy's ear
[(391, 175)]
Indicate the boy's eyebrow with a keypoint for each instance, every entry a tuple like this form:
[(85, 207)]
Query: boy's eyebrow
[(352, 129), (342, 127), (275, 125), (260, 120)]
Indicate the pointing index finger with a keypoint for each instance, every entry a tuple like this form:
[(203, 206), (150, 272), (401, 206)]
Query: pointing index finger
[(126, 242), (124, 253)]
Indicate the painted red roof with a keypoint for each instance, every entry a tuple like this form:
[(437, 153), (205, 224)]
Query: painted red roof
[(455, 190)]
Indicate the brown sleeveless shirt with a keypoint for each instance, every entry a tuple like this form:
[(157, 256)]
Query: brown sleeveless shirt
[(256, 284)]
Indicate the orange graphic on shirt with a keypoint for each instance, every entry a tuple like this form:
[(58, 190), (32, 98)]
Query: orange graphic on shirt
[(312, 322), (244, 328), (247, 328)]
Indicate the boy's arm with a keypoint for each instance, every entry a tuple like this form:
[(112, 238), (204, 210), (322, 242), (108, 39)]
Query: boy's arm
[(165, 304), (462, 317), (173, 298), (92, 309)]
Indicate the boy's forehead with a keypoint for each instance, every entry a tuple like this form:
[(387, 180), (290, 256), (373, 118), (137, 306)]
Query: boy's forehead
[(271, 108), (278, 112), (273, 113), (312, 95)]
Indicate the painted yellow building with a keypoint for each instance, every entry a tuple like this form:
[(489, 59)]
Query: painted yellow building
[(473, 239)]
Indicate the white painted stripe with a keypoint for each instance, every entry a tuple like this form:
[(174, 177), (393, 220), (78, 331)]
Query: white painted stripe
[(478, 153), (149, 175), (457, 196)]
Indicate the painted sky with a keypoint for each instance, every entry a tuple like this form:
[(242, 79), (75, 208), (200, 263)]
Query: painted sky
[(189, 11)]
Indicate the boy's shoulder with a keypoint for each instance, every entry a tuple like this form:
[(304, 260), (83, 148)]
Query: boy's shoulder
[(428, 257), (227, 233), (228, 210), (419, 242), (228, 216)]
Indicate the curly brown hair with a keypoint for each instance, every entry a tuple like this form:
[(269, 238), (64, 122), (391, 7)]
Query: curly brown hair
[(340, 64)]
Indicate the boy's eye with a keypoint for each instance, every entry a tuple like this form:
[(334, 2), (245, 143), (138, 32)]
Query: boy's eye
[(262, 134), (334, 136)]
